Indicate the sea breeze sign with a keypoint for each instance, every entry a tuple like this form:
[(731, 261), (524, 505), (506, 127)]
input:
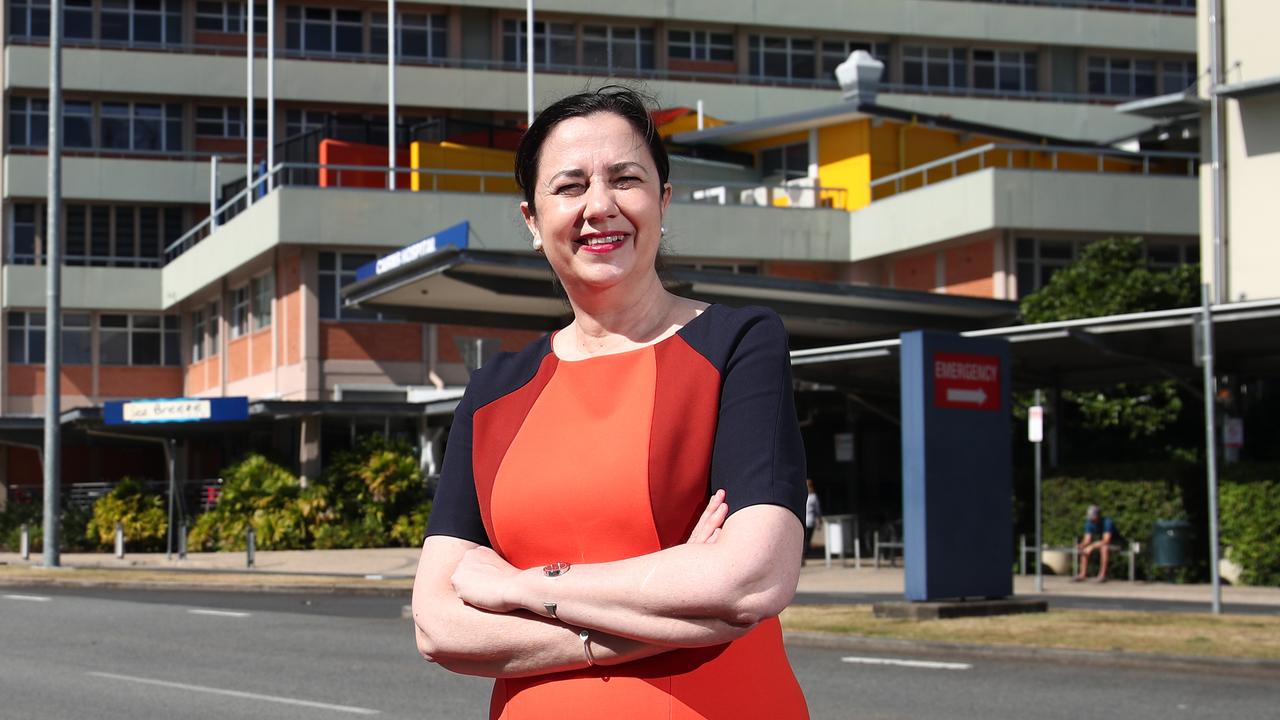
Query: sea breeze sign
[(175, 410), (455, 236), (965, 381)]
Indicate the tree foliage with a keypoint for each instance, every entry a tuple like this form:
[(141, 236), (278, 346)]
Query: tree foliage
[(372, 496), (257, 492), (141, 513), (1109, 278)]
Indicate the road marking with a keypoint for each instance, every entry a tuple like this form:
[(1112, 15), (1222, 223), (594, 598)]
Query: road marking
[(29, 598), (219, 613), (926, 664), (238, 694)]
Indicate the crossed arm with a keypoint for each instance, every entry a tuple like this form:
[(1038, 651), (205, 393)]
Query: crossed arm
[(476, 614)]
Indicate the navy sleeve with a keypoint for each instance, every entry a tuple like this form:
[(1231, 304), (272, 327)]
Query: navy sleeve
[(455, 510), (758, 455)]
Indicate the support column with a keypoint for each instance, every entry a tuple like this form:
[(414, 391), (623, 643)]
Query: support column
[(309, 449), (430, 452)]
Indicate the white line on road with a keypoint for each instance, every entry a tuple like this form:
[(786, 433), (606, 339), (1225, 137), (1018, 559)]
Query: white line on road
[(219, 613), (238, 694), (926, 664), (29, 598)]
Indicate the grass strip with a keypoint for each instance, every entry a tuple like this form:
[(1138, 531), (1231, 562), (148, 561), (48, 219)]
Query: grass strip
[(212, 579), (1236, 636)]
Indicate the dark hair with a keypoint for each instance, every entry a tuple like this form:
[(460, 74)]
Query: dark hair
[(616, 99)]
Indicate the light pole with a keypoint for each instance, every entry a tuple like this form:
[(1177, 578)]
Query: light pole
[(53, 301)]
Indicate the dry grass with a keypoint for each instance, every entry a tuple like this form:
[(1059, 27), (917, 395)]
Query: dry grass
[(1238, 636)]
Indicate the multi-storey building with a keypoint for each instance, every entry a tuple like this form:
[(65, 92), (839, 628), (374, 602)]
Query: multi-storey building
[(163, 299)]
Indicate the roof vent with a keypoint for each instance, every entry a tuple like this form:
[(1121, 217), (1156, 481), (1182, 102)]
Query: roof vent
[(859, 77)]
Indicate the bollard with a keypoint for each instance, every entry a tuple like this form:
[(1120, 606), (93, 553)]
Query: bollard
[(119, 541), (251, 539), (25, 541), (182, 540)]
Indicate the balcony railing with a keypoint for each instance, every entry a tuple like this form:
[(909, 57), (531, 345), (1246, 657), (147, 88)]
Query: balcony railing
[(1164, 7), (1051, 158), (662, 74), (794, 194)]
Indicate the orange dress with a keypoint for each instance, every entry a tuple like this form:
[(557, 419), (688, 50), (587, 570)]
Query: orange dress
[(613, 457)]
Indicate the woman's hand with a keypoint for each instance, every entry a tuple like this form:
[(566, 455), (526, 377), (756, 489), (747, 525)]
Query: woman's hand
[(483, 579), (713, 517)]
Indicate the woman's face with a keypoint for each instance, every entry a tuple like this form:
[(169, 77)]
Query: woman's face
[(599, 204)]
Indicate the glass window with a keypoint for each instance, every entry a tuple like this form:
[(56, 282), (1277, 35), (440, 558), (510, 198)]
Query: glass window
[(28, 122), (25, 337), (617, 48), (229, 17), (239, 311), (214, 324), (197, 336), (782, 57), (337, 270), (1177, 75), (1122, 77), (324, 31), (77, 339), (113, 339), (835, 52), (553, 43), (1004, 70), (77, 20), (24, 223), (700, 45), (263, 295), (421, 35), (934, 67), (785, 161)]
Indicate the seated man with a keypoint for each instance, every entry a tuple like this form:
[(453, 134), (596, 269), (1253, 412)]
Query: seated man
[(1099, 534)]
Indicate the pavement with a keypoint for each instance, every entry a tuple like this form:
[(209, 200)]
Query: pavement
[(392, 570)]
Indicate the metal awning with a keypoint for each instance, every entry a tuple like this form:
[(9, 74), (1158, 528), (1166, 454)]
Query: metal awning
[(1250, 88), (1090, 352), (514, 290), (1162, 107)]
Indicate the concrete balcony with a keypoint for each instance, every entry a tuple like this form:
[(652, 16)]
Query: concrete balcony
[(118, 179), (83, 288), (1028, 200)]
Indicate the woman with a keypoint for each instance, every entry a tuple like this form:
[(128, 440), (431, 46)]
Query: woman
[(572, 551)]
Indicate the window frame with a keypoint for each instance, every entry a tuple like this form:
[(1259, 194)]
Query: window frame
[(434, 27), (927, 57), (239, 312), (262, 295), (702, 45), (758, 49), (335, 270)]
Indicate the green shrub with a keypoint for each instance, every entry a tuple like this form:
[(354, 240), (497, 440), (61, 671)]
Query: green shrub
[(372, 496), (1134, 497), (143, 515), (11, 521), (254, 491), (1249, 508)]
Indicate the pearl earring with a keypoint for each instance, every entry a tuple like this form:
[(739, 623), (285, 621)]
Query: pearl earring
[(536, 242), (663, 230)]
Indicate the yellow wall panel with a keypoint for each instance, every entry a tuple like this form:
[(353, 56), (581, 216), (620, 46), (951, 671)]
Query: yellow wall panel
[(496, 164)]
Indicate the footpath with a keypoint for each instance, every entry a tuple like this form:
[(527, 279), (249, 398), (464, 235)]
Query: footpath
[(389, 572)]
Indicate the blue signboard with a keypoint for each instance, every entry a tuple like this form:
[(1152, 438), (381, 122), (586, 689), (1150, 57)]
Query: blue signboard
[(455, 236), (957, 467), (175, 410)]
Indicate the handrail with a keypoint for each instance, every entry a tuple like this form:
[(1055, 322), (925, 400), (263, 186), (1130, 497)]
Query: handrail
[(980, 152)]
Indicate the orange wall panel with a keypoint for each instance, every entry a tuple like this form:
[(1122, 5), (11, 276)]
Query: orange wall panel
[(238, 359), (260, 352), (29, 379), (338, 152), (193, 377), (970, 269), (387, 342), (127, 382), (917, 272), (511, 340)]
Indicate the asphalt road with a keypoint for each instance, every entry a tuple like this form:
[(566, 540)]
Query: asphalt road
[(75, 653)]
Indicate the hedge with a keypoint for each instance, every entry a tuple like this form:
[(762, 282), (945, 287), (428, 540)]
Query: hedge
[(1249, 511)]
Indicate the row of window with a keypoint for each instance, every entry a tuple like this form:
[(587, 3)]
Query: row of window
[(107, 125), (251, 310), (1039, 258), (122, 339), (135, 22), (97, 235)]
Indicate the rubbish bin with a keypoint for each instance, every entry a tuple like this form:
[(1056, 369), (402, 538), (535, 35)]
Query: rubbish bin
[(1169, 543)]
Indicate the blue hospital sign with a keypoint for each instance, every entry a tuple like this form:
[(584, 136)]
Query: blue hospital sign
[(456, 236), (957, 467)]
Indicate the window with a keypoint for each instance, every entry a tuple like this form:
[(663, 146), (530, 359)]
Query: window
[(29, 19), (225, 121), (197, 336), (263, 288), (934, 67), (229, 17), (29, 123), (421, 36), (617, 48), (140, 126), (215, 323), (324, 31), (835, 52), (1038, 259), (26, 338), (371, 128), (786, 161), (144, 340), (24, 226), (337, 270), (782, 57), (141, 21), (239, 311), (1005, 70), (1177, 75), (1122, 77), (700, 45), (556, 46), (119, 235)]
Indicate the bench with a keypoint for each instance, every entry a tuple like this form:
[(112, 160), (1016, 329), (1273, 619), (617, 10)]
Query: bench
[(878, 545), (1129, 552)]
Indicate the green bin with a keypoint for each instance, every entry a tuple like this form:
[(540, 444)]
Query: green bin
[(1169, 543)]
